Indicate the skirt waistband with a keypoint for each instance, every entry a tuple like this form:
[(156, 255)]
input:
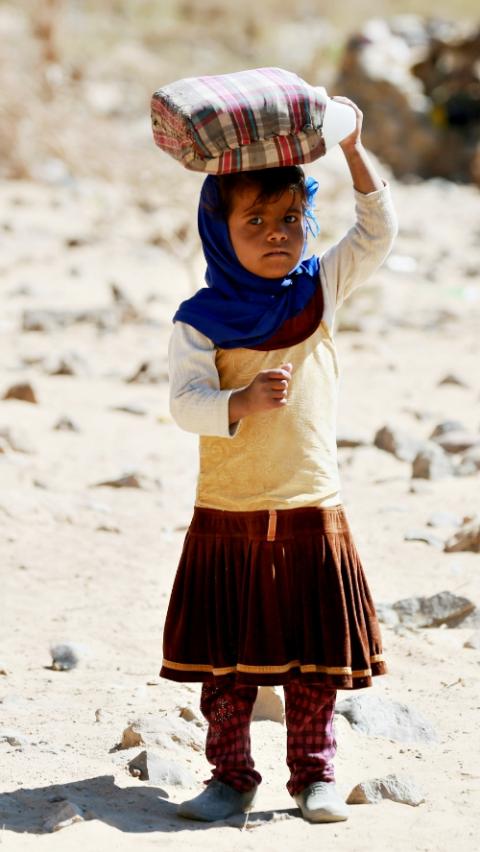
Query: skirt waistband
[(269, 524)]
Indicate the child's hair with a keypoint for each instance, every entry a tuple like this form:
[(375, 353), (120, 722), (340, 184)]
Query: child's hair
[(271, 184)]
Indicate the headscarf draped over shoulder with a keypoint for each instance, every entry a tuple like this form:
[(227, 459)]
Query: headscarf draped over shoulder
[(238, 308)]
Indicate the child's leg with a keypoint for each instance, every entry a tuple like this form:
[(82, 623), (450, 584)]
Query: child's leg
[(311, 744), (228, 710)]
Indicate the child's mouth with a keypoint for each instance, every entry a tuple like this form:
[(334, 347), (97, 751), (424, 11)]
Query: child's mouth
[(278, 253)]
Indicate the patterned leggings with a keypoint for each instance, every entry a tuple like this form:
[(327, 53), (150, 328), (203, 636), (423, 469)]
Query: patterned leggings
[(311, 742)]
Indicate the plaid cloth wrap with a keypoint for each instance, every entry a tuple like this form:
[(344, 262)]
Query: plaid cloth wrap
[(237, 122)]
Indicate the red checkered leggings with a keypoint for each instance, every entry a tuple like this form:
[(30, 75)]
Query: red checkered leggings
[(311, 742)]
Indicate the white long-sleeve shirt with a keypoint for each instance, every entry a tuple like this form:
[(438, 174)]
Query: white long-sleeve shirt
[(197, 402)]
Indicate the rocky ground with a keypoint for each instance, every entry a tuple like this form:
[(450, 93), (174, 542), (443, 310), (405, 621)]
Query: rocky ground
[(89, 282)]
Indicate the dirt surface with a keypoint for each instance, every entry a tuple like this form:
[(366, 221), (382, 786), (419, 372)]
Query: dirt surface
[(94, 564)]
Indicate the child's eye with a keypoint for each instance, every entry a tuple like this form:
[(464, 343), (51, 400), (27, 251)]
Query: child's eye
[(291, 218), (255, 220)]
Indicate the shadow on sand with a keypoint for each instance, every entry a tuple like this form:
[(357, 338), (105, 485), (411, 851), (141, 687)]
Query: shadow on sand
[(129, 809)]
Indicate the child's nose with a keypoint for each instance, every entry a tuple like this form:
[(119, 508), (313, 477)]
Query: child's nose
[(278, 232)]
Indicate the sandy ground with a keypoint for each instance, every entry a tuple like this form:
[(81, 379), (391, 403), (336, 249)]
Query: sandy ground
[(94, 565)]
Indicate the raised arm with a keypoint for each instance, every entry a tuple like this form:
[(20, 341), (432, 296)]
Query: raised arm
[(365, 246)]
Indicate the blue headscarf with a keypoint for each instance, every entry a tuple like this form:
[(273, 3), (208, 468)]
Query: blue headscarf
[(238, 308)]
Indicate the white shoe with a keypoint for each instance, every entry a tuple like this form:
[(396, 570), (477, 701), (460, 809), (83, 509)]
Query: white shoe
[(217, 801), (321, 802)]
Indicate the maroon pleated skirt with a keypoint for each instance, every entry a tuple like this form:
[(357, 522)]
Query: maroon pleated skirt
[(264, 597)]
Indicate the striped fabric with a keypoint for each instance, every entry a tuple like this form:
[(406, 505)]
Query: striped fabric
[(237, 122)]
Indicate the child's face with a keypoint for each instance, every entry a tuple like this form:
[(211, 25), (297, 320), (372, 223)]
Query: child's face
[(268, 236)]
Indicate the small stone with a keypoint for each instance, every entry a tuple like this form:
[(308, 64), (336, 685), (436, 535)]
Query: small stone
[(66, 424), (269, 705), (473, 641), (23, 391), (68, 364), (63, 815), (466, 538), (397, 442), (188, 714), (13, 738), (402, 790), (352, 440), (128, 480), (149, 766), (458, 441), (16, 439), (453, 379), (444, 519), (419, 486), (66, 656), (150, 372), (426, 536), (431, 463), (130, 738), (169, 732), (379, 717), (442, 608), (469, 463), (386, 614), (446, 426), (137, 410)]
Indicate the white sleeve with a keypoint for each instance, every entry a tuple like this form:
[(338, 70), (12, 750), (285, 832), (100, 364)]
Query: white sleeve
[(363, 249), (196, 402)]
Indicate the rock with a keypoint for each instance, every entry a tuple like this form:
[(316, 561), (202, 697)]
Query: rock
[(128, 480), (386, 614), (379, 717), (419, 486), (137, 410), (68, 364), (190, 716), (446, 426), (65, 424), (63, 814), (269, 705), (472, 621), (426, 536), (150, 372), (466, 538), (45, 320), (149, 766), (402, 790), (169, 732), (431, 463), (458, 441), (452, 379), (352, 440), (128, 309), (48, 320), (413, 84), (397, 442), (13, 738), (66, 656), (444, 519), (16, 439), (22, 391), (442, 608), (469, 464), (473, 641)]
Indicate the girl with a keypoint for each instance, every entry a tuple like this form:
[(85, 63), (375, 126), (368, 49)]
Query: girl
[(270, 588)]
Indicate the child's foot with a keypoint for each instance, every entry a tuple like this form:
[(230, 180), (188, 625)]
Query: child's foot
[(321, 802), (217, 801)]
